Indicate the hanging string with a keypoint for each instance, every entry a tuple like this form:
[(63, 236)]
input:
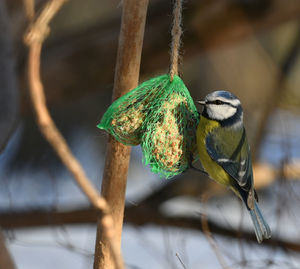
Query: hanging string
[(176, 34)]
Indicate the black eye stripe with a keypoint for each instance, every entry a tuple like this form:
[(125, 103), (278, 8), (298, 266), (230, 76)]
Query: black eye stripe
[(216, 102), (219, 102)]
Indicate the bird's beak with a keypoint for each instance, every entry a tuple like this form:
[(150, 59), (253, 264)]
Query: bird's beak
[(201, 102)]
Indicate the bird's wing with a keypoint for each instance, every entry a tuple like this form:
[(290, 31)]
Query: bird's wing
[(230, 149)]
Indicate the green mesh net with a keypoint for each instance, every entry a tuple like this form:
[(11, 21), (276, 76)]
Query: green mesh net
[(161, 116), (169, 136), (125, 118)]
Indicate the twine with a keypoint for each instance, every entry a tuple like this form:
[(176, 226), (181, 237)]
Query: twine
[(176, 34)]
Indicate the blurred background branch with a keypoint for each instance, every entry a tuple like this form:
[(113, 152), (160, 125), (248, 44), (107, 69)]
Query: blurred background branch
[(9, 95), (6, 260), (285, 69), (221, 23), (137, 216)]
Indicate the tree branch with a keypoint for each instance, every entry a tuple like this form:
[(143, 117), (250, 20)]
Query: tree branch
[(137, 216), (118, 155), (6, 260), (34, 38)]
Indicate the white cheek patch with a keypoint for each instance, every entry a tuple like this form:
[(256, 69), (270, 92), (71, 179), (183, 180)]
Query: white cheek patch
[(220, 112)]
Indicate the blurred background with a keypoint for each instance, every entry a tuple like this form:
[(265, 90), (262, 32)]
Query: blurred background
[(250, 47)]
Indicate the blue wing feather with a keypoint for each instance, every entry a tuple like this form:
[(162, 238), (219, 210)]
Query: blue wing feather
[(229, 148)]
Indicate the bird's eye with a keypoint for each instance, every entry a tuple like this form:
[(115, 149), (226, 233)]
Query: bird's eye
[(218, 102)]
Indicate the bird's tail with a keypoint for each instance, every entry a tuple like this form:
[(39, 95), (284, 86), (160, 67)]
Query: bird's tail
[(261, 227)]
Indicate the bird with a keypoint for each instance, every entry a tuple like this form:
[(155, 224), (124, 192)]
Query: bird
[(224, 152)]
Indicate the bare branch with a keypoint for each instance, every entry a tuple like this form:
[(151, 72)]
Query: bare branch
[(211, 240), (29, 9), (118, 155), (39, 30), (6, 260), (34, 39), (181, 262), (137, 216)]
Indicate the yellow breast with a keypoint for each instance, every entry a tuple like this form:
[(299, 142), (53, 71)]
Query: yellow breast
[(214, 170)]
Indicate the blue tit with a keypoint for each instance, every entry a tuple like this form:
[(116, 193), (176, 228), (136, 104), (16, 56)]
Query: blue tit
[(225, 154)]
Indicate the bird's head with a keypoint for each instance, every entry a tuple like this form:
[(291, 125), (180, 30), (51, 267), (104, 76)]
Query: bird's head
[(222, 106)]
